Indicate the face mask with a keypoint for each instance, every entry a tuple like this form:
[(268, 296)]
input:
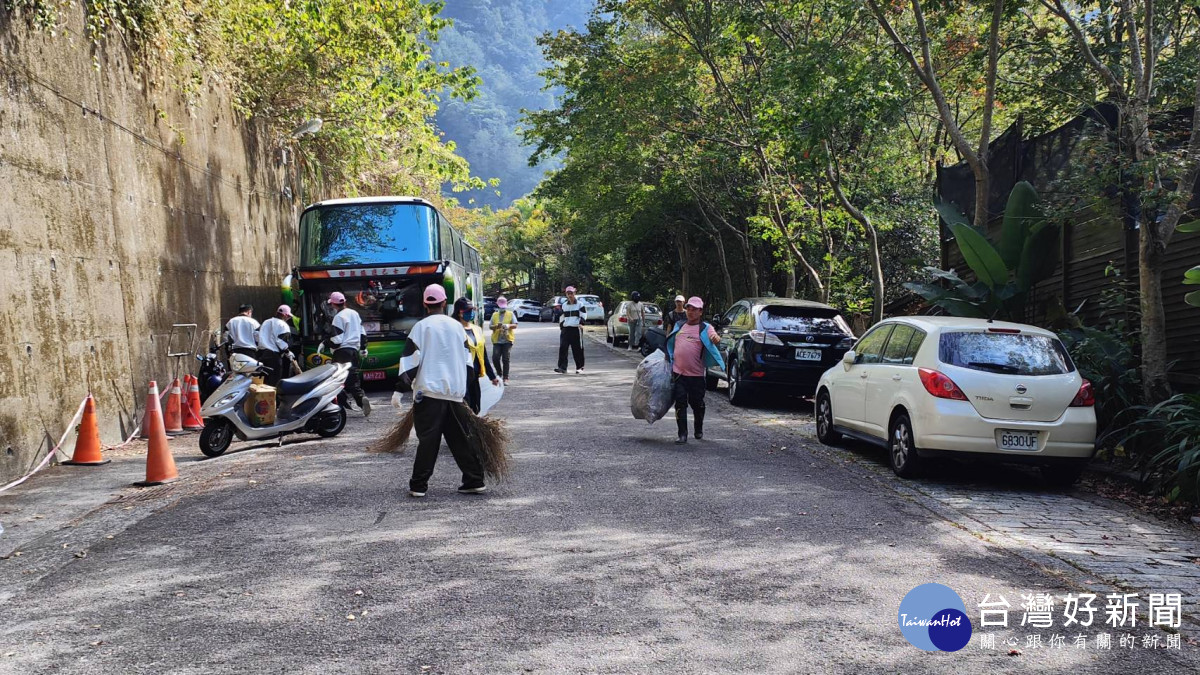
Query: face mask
[(468, 315)]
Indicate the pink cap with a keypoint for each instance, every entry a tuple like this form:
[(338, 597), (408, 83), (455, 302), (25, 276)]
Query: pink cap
[(696, 302), (570, 289), (502, 302), (434, 293), (336, 298), (284, 310)]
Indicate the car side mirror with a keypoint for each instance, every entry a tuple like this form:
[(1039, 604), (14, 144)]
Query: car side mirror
[(849, 357)]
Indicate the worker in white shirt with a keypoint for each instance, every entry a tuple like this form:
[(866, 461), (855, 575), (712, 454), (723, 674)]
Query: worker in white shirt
[(347, 341), (274, 348), (241, 333), (435, 363), (570, 333)]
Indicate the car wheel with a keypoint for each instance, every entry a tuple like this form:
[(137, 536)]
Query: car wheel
[(1063, 474), (608, 337), (902, 451), (824, 414), (739, 392)]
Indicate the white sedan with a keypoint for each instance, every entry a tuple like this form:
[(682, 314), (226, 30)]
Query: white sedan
[(929, 386)]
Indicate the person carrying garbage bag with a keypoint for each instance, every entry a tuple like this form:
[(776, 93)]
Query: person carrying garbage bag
[(692, 348)]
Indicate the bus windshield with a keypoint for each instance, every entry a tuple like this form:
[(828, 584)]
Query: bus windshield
[(356, 234)]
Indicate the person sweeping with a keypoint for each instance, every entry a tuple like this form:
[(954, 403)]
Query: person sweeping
[(436, 364)]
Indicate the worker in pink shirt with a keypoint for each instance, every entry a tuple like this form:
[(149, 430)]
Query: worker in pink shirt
[(692, 348)]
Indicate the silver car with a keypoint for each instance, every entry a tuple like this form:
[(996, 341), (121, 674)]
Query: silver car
[(593, 309), (617, 330)]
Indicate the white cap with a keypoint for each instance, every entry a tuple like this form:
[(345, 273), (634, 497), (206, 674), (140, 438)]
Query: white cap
[(680, 298)]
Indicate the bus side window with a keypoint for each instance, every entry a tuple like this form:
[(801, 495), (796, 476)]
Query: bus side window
[(446, 239)]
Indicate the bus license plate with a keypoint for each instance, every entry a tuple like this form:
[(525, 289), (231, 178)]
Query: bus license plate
[(1018, 440), (374, 375), (808, 355)]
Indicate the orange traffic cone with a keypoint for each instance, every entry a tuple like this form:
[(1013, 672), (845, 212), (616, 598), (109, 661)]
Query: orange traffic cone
[(87, 441), (173, 418), (160, 465), (191, 404)]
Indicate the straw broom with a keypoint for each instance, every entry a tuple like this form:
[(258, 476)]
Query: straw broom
[(487, 437)]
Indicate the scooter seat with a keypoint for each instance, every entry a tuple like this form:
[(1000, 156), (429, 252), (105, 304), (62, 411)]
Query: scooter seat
[(305, 381)]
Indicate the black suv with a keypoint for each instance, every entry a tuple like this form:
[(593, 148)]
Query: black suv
[(780, 344)]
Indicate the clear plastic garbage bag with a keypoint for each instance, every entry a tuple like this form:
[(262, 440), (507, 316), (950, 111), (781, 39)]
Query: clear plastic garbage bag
[(489, 395), (652, 391)]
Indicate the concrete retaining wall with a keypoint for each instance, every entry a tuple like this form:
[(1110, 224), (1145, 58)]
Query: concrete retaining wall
[(122, 211)]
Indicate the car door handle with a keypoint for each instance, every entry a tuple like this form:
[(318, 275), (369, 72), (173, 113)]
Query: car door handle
[(896, 378), (863, 375)]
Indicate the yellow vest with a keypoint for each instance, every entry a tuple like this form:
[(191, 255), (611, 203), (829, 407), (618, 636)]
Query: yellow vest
[(478, 349), (502, 318)]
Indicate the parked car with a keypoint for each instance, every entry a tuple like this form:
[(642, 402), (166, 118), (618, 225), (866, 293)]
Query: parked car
[(778, 344), (593, 309), (489, 306), (553, 308), (525, 310), (936, 386), (616, 330)]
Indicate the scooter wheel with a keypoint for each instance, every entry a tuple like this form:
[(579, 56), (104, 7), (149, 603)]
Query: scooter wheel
[(331, 425), (216, 437)]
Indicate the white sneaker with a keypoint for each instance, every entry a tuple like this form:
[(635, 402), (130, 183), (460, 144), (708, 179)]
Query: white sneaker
[(414, 493)]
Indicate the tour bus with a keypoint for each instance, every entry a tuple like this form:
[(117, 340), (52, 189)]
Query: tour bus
[(380, 252)]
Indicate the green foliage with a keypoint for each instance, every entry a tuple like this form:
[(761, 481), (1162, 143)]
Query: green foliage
[(1192, 276), (1027, 254), (1173, 426), (1106, 355), (363, 66)]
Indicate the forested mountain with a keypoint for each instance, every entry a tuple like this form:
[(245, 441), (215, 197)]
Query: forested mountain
[(499, 39)]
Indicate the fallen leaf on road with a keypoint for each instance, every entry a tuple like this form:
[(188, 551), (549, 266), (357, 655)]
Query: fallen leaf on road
[(358, 592), (108, 536), (254, 482), (802, 513), (1014, 652), (81, 554), (97, 643), (10, 653), (349, 617)]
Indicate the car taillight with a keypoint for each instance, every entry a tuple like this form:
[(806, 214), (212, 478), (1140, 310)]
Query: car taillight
[(762, 337), (1086, 398), (623, 319), (939, 385)]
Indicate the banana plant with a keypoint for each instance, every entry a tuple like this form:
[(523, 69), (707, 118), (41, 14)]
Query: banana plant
[(1192, 276), (1026, 254)]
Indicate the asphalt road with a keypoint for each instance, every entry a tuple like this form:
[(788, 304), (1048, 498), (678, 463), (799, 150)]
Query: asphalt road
[(609, 550)]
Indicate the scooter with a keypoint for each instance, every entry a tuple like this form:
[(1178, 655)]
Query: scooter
[(304, 403), (212, 372)]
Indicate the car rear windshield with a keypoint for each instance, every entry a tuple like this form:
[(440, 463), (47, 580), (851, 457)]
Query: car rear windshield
[(802, 320), (1005, 353)]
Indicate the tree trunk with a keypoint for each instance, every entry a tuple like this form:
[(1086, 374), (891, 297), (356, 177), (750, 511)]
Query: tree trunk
[(729, 298), (682, 248), (789, 290), (1155, 385), (751, 265)]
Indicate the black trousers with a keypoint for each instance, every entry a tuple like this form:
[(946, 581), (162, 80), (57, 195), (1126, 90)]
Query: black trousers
[(689, 390), (500, 358), (434, 419), (352, 356), (274, 362), (570, 337)]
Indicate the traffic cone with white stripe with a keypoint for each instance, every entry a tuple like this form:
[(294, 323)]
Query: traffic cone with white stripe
[(87, 440), (173, 418), (160, 465), (191, 404)]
